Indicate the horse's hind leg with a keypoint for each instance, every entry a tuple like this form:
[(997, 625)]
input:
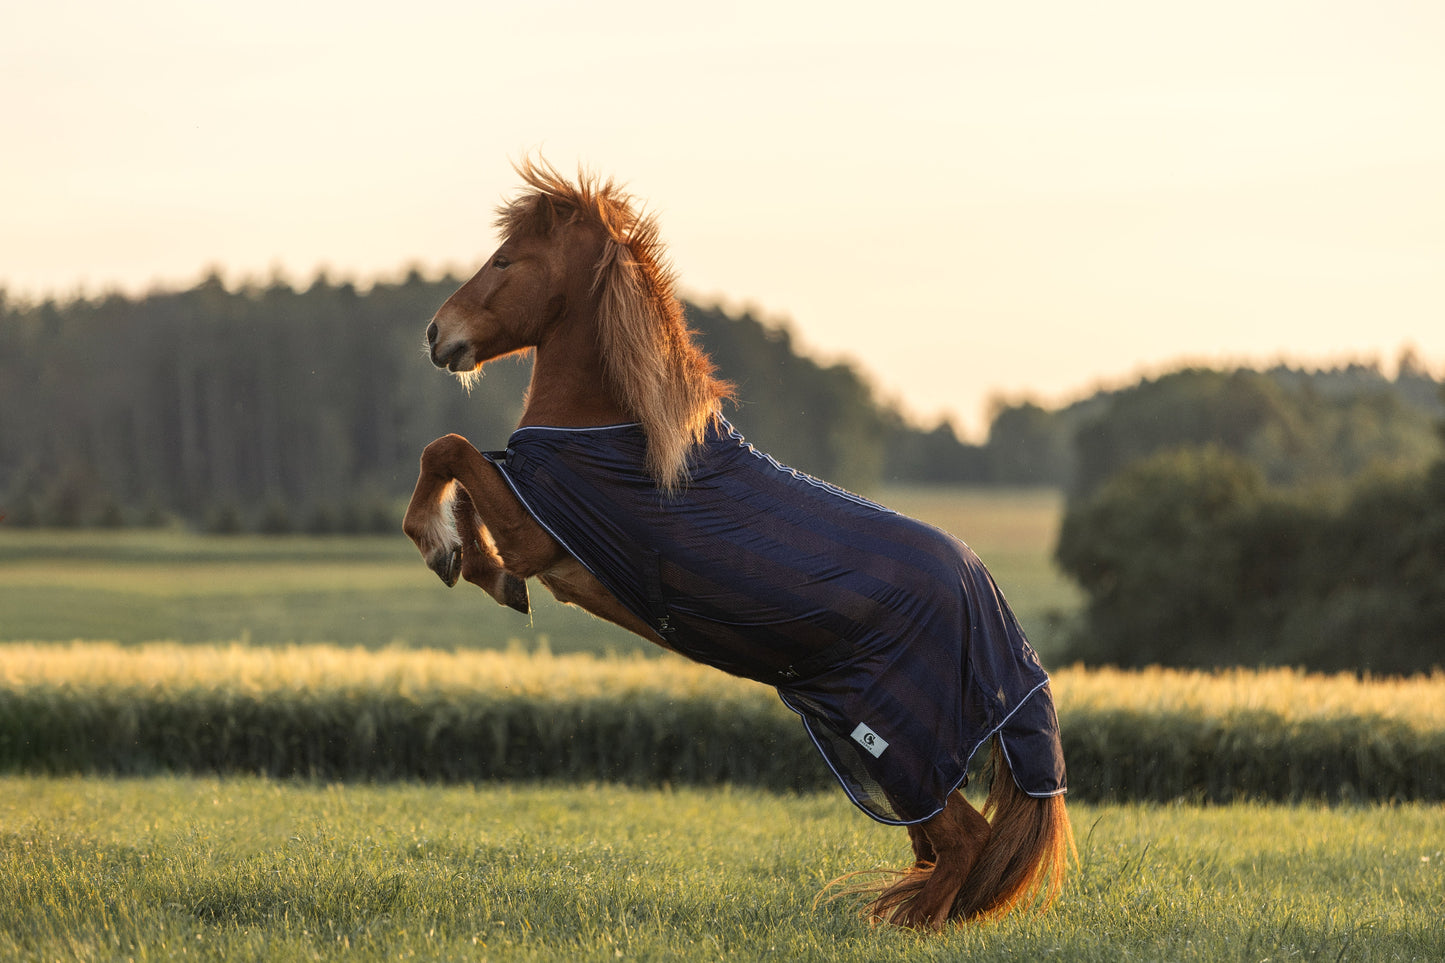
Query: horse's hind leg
[(923, 853), (924, 896)]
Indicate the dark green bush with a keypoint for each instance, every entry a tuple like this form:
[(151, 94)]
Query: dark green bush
[(1190, 559)]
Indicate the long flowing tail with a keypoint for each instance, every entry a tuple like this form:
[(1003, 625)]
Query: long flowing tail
[(1026, 858)]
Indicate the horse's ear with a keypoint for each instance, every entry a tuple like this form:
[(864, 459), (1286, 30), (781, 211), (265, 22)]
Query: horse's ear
[(544, 214)]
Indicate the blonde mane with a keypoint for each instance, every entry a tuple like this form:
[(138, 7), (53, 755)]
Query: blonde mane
[(649, 358)]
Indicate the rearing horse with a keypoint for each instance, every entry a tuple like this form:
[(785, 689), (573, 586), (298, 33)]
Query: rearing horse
[(625, 491)]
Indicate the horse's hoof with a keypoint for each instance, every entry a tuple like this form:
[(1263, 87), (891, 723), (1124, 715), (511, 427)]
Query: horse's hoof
[(447, 565), (514, 594)]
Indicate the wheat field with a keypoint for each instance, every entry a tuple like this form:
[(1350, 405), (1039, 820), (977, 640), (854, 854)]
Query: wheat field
[(244, 668), (356, 713)]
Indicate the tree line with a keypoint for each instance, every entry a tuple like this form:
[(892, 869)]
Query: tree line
[(276, 409), (1255, 518), (1294, 425), (280, 408), (1275, 518)]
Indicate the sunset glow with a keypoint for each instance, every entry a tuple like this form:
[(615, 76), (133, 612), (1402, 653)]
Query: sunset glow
[(967, 199)]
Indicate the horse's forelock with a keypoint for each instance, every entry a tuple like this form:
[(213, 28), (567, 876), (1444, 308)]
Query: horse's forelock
[(550, 198)]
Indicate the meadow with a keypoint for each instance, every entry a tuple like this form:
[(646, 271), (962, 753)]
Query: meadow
[(140, 586), (213, 869), (648, 837)]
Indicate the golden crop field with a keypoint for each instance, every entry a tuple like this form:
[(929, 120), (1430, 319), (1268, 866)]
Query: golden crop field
[(169, 667), (472, 714)]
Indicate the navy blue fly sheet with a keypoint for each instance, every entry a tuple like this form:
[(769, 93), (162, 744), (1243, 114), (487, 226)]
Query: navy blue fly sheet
[(887, 636)]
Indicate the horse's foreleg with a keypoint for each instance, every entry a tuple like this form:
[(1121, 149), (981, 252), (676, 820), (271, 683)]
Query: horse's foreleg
[(481, 563), (467, 524), (431, 524)]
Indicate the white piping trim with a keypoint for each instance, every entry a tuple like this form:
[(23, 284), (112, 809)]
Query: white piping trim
[(842, 783), (1003, 745), (803, 476), (625, 424)]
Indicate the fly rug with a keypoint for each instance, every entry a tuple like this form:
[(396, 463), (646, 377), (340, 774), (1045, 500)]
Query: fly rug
[(624, 490)]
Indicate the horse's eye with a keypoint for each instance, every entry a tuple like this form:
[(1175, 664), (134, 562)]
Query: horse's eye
[(501, 263)]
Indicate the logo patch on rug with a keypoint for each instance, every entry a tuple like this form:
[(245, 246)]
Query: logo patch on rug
[(870, 740)]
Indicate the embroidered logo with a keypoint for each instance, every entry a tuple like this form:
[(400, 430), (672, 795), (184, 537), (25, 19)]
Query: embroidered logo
[(870, 740)]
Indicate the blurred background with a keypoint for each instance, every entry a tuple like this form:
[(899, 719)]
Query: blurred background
[(1161, 285)]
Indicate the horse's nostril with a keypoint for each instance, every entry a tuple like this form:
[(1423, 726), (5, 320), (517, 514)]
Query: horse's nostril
[(431, 333)]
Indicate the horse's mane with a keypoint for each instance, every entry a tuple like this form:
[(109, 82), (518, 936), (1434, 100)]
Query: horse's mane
[(649, 357)]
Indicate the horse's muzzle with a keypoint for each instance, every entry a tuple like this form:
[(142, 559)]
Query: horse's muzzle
[(453, 360)]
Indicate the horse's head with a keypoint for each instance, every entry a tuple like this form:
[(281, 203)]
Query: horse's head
[(543, 266), (581, 262)]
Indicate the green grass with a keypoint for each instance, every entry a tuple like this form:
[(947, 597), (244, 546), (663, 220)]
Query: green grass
[(251, 869), (139, 586)]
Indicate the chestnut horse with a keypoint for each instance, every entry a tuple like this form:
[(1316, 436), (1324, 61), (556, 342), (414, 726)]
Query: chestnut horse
[(582, 280)]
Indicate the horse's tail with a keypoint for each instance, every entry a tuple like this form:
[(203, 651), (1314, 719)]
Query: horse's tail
[(1026, 857)]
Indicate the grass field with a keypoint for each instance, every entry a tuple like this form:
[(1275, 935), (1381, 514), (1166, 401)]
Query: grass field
[(246, 868), (138, 586), (251, 869)]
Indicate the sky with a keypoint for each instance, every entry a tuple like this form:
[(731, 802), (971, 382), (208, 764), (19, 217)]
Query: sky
[(970, 201)]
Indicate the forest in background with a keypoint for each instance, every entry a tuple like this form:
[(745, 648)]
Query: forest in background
[(275, 409), (278, 408)]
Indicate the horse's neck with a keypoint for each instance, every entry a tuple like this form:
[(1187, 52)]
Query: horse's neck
[(568, 389)]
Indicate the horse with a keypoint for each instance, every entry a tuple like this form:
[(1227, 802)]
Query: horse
[(625, 491)]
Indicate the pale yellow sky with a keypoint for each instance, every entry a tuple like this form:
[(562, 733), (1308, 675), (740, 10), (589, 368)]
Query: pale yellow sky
[(968, 199)]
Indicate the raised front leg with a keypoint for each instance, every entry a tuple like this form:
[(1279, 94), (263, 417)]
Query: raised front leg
[(479, 561), (466, 523)]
